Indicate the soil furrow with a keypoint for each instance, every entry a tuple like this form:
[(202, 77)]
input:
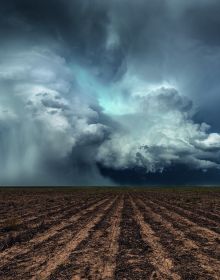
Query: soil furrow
[(110, 260), (163, 264), (46, 217), (55, 261), (88, 259), (110, 233), (132, 259), (188, 220), (208, 244), (43, 226), (202, 221), (19, 251), (199, 265), (203, 212)]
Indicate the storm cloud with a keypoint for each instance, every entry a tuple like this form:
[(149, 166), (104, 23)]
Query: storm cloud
[(93, 90)]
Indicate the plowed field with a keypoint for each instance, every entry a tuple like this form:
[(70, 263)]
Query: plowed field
[(110, 234)]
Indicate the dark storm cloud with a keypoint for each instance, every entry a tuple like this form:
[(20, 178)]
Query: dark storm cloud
[(83, 24), (76, 28), (148, 33), (54, 18), (93, 82), (203, 21), (177, 175)]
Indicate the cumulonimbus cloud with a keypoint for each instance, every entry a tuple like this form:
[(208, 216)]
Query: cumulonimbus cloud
[(45, 120), (159, 134), (42, 118), (107, 84)]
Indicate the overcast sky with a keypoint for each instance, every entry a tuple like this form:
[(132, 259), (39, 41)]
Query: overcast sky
[(99, 92)]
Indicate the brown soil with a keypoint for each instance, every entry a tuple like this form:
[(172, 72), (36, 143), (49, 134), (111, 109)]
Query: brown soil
[(109, 234)]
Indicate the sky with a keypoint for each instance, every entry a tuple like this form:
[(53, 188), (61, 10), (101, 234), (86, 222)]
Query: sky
[(99, 92)]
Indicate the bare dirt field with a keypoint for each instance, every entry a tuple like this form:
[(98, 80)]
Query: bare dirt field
[(110, 233)]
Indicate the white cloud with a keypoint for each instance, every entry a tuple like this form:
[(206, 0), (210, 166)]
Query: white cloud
[(42, 119), (160, 133), (212, 141)]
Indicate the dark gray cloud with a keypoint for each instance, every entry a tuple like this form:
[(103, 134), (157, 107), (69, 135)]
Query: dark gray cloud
[(124, 86), (203, 21)]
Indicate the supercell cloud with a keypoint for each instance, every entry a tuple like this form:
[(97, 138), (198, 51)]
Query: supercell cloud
[(91, 91)]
